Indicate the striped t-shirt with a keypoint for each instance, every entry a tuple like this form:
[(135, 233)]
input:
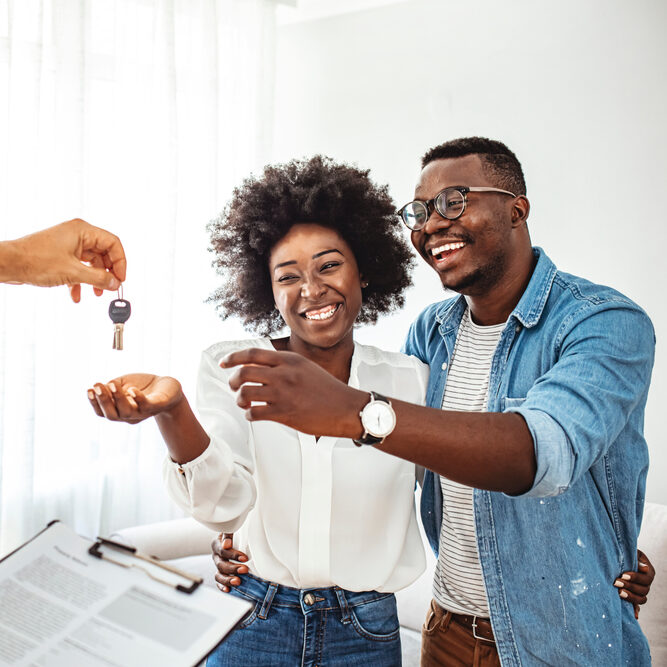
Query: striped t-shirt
[(458, 585)]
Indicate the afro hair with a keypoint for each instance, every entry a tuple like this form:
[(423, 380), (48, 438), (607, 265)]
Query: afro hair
[(318, 190)]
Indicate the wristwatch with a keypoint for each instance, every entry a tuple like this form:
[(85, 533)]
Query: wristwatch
[(378, 419)]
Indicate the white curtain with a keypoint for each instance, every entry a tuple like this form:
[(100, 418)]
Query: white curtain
[(138, 116)]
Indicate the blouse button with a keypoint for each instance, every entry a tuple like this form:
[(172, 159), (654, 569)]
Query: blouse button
[(444, 366), (309, 599)]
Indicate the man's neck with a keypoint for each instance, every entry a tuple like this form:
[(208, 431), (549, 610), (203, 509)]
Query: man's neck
[(496, 304)]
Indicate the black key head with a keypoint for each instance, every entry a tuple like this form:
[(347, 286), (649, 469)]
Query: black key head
[(119, 311)]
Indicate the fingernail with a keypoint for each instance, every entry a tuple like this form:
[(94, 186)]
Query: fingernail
[(623, 594), (131, 392), (243, 559), (235, 581), (619, 584), (626, 577), (641, 564), (114, 283), (98, 390), (91, 394), (112, 386)]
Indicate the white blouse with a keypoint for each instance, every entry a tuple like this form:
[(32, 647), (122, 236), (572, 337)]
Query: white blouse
[(308, 513)]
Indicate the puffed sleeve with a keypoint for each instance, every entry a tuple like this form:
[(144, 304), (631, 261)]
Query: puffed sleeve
[(216, 488)]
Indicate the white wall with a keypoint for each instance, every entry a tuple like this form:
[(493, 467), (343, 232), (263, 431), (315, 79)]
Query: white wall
[(576, 88)]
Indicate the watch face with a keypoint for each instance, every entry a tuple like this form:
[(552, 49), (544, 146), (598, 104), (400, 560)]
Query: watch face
[(378, 419)]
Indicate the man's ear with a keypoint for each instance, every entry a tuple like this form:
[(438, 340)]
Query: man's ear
[(520, 211)]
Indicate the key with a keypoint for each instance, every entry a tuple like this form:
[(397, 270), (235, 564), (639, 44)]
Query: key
[(119, 312)]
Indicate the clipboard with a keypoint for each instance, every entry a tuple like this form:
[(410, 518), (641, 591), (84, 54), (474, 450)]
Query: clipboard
[(65, 601), (99, 550)]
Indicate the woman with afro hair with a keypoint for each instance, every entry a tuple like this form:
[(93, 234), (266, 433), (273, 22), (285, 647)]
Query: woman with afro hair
[(326, 530)]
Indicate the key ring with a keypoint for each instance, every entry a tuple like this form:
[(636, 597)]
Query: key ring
[(120, 292)]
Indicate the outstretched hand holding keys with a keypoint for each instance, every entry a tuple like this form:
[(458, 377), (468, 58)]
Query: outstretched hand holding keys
[(70, 253)]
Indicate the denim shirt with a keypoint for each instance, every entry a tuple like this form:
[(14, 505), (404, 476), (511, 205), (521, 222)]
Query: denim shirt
[(574, 360)]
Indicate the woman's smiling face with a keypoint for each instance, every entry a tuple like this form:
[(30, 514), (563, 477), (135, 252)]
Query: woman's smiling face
[(316, 285)]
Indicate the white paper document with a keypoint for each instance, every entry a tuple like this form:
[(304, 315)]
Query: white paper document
[(62, 607)]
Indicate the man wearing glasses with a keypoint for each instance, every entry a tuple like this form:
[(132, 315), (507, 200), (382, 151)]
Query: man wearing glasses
[(533, 441)]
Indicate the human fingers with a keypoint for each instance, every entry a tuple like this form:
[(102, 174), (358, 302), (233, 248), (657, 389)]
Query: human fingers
[(645, 565), (75, 292), (632, 587), (230, 553), (227, 569), (134, 406), (75, 288), (635, 586), (632, 592), (223, 547), (632, 598), (252, 393), (251, 373), (126, 404), (157, 394), (105, 244), (139, 398), (227, 573), (105, 401), (99, 278), (637, 582), (92, 399), (253, 355), (225, 581), (258, 413), (98, 263)]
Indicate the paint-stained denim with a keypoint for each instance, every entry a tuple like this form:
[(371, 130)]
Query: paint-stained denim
[(337, 629), (575, 362)]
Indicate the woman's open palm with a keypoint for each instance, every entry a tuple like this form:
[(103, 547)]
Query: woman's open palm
[(135, 397)]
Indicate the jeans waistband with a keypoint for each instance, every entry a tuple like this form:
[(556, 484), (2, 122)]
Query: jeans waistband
[(309, 600)]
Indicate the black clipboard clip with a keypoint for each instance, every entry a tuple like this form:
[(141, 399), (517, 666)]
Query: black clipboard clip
[(96, 550)]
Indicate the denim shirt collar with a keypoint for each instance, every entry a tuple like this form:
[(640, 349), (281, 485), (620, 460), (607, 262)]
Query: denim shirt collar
[(530, 307)]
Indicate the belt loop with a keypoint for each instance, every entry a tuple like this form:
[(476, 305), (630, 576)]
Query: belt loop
[(268, 599), (342, 601), (445, 619)]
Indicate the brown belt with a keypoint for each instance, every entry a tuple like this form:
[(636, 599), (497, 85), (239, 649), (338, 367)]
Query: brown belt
[(480, 627)]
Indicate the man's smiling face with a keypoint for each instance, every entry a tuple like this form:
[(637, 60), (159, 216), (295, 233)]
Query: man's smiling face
[(471, 253)]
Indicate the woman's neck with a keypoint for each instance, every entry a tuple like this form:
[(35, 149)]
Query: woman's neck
[(335, 360)]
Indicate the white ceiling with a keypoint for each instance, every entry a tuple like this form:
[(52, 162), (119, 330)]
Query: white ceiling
[(295, 11)]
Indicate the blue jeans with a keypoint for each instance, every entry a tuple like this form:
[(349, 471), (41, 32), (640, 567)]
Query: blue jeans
[(310, 627)]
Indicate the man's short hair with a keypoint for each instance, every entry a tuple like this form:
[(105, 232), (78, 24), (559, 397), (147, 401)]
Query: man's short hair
[(499, 162)]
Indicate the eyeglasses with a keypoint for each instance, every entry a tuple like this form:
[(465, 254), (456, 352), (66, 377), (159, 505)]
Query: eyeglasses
[(450, 203)]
